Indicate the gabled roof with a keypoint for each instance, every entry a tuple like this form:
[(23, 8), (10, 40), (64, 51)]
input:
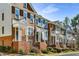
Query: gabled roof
[(32, 7), (39, 16), (57, 24)]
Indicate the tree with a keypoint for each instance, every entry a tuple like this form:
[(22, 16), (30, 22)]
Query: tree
[(66, 24), (66, 21), (74, 23)]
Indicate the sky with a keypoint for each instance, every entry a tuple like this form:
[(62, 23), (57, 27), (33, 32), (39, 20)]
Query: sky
[(57, 11)]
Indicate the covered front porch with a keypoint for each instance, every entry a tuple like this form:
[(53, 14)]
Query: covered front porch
[(57, 40), (20, 39)]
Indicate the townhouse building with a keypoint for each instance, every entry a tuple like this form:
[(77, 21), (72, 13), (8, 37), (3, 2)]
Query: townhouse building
[(21, 27), (56, 35), (41, 31), (17, 25)]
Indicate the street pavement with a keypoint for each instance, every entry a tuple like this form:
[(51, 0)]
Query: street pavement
[(77, 54)]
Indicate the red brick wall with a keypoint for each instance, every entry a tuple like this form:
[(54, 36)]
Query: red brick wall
[(21, 45), (24, 46), (6, 41), (15, 45), (43, 45)]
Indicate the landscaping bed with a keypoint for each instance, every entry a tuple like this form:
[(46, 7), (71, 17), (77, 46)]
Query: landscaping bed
[(54, 51)]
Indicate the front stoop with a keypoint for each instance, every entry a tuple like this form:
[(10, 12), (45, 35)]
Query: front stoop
[(41, 46), (21, 45)]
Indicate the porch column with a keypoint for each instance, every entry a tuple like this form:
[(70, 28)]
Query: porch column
[(15, 34), (19, 31)]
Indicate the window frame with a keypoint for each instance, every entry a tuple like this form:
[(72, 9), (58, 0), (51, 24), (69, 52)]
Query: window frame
[(2, 29), (25, 5), (31, 18), (2, 16)]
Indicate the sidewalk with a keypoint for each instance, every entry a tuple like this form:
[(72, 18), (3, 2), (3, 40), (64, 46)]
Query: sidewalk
[(50, 54), (60, 54), (6, 54)]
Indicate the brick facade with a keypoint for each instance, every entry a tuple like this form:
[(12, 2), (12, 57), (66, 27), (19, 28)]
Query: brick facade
[(21, 45), (6, 41)]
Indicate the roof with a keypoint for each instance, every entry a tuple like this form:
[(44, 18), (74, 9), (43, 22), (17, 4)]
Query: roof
[(57, 24), (32, 7), (39, 16)]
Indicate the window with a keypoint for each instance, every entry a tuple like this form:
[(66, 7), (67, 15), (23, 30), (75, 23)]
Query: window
[(25, 5), (3, 30), (30, 31), (13, 9), (2, 16), (37, 34), (36, 21), (46, 34), (25, 14), (17, 12), (16, 35), (31, 18), (28, 15), (43, 21), (39, 20), (21, 12)]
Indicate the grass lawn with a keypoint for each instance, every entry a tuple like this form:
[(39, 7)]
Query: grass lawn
[(54, 54)]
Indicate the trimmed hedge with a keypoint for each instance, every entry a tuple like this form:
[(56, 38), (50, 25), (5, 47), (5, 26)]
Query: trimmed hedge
[(45, 51), (7, 49), (58, 50)]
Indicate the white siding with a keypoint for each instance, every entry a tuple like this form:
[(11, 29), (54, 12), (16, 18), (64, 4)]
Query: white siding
[(6, 9)]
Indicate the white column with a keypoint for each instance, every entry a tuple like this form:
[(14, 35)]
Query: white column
[(19, 30), (15, 34)]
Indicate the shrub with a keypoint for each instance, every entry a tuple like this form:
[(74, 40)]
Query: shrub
[(34, 50), (65, 50), (21, 52), (6, 49), (45, 51), (54, 51), (12, 50), (50, 49), (3, 49), (58, 50)]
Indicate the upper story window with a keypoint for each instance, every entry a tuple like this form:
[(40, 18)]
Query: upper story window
[(31, 18), (43, 21), (13, 9), (21, 12), (2, 16), (39, 20), (25, 15), (3, 30), (17, 12), (25, 5), (36, 20)]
